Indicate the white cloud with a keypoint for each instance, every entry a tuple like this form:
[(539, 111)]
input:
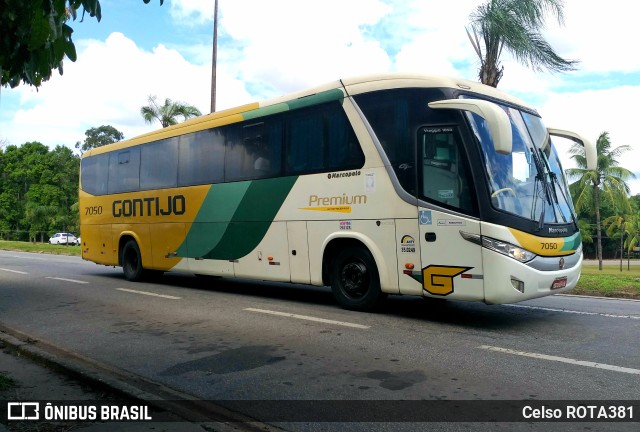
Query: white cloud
[(288, 44), (107, 85), (601, 35), (192, 10), (592, 112)]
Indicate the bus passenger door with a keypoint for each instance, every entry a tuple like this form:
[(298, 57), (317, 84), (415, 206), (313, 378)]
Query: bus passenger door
[(448, 210)]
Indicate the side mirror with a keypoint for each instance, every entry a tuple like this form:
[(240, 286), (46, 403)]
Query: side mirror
[(496, 118), (589, 148)]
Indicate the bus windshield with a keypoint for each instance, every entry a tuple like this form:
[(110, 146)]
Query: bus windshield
[(529, 182)]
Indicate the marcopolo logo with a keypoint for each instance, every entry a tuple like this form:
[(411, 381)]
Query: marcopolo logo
[(153, 206), (343, 174), (558, 230)]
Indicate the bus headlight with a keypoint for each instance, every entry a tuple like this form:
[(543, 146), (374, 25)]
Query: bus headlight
[(508, 249)]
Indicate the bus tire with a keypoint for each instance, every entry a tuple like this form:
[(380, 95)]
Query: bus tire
[(132, 262), (354, 279)]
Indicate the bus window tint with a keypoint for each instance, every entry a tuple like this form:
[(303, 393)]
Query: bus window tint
[(237, 163), (321, 139), (124, 170), (394, 115), (93, 174), (306, 136), (158, 168), (201, 158), (271, 151)]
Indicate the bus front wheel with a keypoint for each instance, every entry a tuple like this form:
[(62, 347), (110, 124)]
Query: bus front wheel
[(354, 279), (132, 262)]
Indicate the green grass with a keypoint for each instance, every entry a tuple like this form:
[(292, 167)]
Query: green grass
[(40, 248), (6, 383), (610, 282)]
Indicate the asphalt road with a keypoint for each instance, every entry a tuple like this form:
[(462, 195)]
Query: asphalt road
[(221, 339)]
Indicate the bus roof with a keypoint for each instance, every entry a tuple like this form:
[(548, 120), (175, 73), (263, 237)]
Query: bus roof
[(335, 90)]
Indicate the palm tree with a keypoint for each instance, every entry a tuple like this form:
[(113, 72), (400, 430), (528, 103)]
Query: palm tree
[(633, 237), (586, 231), (618, 223), (608, 179), (168, 113), (514, 25)]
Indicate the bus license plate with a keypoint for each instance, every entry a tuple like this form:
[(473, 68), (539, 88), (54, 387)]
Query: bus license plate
[(559, 283)]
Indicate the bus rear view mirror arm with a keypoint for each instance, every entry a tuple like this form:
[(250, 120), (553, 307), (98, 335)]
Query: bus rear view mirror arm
[(589, 148), (496, 118)]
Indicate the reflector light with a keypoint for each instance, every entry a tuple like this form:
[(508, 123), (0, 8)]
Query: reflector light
[(517, 284)]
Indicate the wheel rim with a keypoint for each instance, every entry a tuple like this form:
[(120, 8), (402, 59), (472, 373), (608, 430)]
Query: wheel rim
[(354, 279), (131, 260)]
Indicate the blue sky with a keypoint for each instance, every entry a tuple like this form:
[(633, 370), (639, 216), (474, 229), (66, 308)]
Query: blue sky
[(267, 49)]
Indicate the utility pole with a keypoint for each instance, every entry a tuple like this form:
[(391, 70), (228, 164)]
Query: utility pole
[(215, 57)]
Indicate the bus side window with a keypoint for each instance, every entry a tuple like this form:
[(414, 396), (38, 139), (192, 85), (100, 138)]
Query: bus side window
[(306, 143), (124, 171), (320, 138), (254, 150), (158, 167), (263, 145), (201, 159), (94, 174)]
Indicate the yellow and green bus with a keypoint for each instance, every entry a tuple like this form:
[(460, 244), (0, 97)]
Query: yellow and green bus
[(387, 184)]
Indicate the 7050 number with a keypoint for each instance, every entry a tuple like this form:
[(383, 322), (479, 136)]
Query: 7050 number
[(93, 210)]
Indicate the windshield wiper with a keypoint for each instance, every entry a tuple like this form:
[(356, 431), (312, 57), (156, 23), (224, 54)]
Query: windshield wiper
[(542, 177), (555, 185)]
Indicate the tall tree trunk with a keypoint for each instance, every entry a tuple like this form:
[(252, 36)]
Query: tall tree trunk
[(621, 247), (596, 195), (490, 74)]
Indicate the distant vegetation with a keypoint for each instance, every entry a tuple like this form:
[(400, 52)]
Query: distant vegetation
[(38, 191)]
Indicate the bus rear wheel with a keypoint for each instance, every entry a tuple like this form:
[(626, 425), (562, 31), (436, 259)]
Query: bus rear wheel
[(132, 262), (354, 279)]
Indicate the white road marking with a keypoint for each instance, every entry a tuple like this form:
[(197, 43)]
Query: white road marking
[(308, 318), (68, 280), (562, 360), (149, 294), (13, 271), (29, 258), (598, 297), (575, 311)]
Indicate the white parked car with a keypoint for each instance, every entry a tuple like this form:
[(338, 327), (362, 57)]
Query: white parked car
[(64, 239)]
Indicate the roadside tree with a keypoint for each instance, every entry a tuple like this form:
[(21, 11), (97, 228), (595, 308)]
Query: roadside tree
[(36, 37), (607, 181), (515, 26), (168, 113), (98, 137)]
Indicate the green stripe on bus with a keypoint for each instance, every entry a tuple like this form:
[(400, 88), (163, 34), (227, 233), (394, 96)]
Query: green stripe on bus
[(265, 111), (572, 243), (213, 218), (253, 217), (314, 99)]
